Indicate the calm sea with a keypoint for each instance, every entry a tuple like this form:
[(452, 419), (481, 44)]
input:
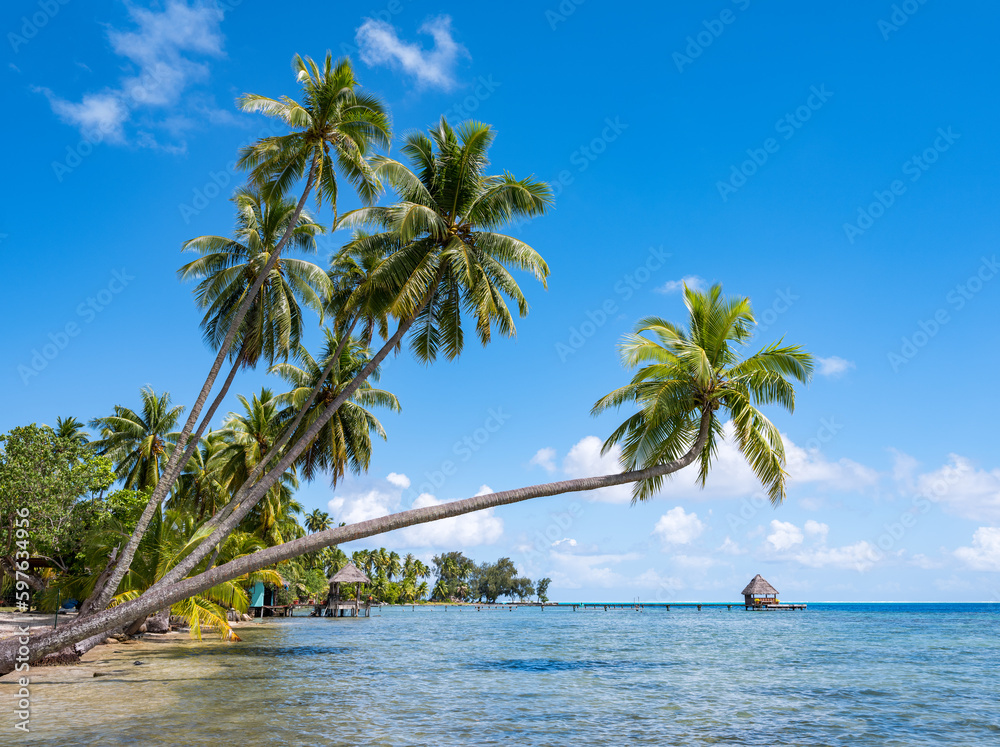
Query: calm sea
[(879, 674)]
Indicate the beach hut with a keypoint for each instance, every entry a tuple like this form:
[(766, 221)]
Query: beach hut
[(759, 593), (349, 574)]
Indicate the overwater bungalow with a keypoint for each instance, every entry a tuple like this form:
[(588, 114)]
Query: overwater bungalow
[(349, 574), (759, 593)]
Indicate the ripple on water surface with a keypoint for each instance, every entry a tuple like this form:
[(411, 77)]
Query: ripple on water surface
[(834, 674)]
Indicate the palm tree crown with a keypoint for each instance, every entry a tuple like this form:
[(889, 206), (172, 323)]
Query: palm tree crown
[(137, 441), (71, 429), (684, 374), (228, 268), (334, 122), (440, 238), (346, 439)]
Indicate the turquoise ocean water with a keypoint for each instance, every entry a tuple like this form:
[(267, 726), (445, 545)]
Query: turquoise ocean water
[(859, 674)]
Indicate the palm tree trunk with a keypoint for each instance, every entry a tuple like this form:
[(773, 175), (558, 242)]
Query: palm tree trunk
[(251, 493), (289, 431), (175, 464), (157, 598), (94, 601)]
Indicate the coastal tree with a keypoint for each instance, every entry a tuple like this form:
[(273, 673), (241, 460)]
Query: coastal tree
[(43, 476), (333, 117), (138, 441), (442, 256)]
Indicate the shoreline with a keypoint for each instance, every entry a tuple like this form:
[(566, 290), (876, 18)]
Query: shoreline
[(98, 661)]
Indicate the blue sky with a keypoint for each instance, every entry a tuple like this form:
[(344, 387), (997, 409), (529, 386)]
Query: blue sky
[(834, 164)]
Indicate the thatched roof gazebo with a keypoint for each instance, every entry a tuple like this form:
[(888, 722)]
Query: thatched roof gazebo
[(759, 593), (349, 574)]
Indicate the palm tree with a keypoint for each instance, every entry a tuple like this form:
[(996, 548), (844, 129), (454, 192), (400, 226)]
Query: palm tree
[(249, 436), (441, 254), (441, 251), (441, 590), (345, 439), (701, 376), (228, 268), (392, 564), (685, 374), (71, 429), (136, 441), (201, 489), (333, 116), (317, 521)]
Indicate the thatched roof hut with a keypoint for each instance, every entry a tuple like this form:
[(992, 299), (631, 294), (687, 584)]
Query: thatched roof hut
[(758, 587), (349, 574), (759, 593)]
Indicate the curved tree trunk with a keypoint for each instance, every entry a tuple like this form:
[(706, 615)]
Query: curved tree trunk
[(178, 458), (158, 598), (250, 494), (276, 448)]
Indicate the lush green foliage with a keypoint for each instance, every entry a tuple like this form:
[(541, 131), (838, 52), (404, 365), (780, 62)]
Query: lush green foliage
[(47, 476), (683, 373)]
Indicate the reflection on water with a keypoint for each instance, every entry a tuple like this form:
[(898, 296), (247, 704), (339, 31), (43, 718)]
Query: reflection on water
[(858, 675)]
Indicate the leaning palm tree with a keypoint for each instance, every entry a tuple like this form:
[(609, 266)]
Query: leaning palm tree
[(687, 377), (345, 441), (137, 441), (702, 375), (229, 267), (332, 116), (442, 252)]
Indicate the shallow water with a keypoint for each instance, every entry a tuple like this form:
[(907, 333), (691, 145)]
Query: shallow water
[(831, 675)]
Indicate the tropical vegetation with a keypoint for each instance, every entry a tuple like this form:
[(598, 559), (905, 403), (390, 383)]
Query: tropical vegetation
[(201, 506)]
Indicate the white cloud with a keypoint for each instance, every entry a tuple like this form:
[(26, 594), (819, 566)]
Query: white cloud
[(398, 479), (380, 44), (834, 366), (565, 541), (585, 460), (784, 535), (860, 556), (97, 115), (817, 529), (963, 489), (730, 548), (159, 50), (371, 504), (675, 286), (810, 466), (922, 561), (677, 527), (468, 530), (731, 476), (984, 555), (545, 458), (156, 49)]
